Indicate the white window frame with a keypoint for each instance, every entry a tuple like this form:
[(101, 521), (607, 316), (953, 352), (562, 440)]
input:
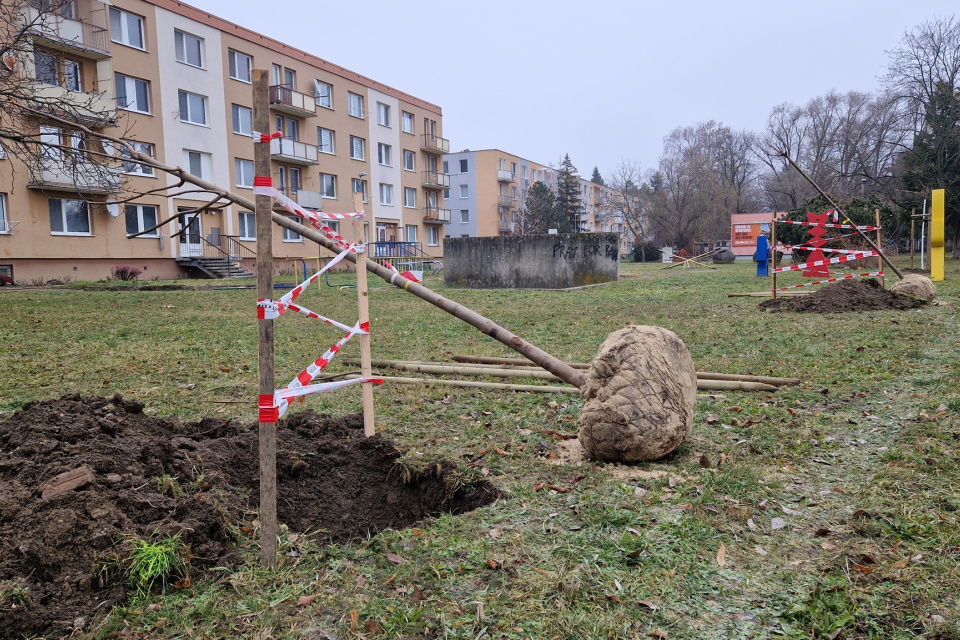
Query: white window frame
[(292, 236), (193, 102), (384, 154), (464, 216), (383, 114), (464, 191), (328, 180), (243, 169), (433, 236), (412, 157), (130, 166), (203, 158), (410, 233), (63, 219), (409, 197), (355, 105), (123, 37), (236, 113), (386, 194), (358, 185), (323, 94), (128, 83), (406, 122), (322, 147), (357, 143), (77, 84), (234, 59), (464, 166), (141, 224), (4, 221), (181, 40), (247, 225)]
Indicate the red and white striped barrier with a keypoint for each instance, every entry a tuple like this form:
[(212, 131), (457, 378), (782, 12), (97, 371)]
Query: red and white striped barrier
[(828, 225), (414, 276), (263, 186), (846, 276), (850, 257), (265, 138)]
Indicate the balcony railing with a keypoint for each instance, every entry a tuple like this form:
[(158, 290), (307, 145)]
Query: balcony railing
[(434, 144), (91, 108), (79, 176), (433, 215), (287, 100), (293, 151), (67, 34), (436, 180), (504, 176), (507, 202), (6, 226)]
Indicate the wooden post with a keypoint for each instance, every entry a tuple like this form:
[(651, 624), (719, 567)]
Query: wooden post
[(366, 368), (883, 282), (268, 430), (913, 228), (773, 254)]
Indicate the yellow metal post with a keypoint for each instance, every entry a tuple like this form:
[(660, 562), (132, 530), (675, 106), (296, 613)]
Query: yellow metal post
[(938, 204)]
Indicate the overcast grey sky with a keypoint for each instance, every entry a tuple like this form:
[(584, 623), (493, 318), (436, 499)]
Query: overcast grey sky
[(600, 80)]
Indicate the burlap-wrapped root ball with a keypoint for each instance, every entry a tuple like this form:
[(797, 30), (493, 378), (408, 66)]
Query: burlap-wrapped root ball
[(639, 396), (916, 286)]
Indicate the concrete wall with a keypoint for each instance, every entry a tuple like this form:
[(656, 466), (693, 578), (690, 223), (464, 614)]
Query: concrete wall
[(532, 262)]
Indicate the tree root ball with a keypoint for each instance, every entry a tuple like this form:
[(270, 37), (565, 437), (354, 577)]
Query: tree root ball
[(639, 396), (916, 286)]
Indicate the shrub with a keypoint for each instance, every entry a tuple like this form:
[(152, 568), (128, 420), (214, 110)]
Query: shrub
[(128, 274), (646, 252)]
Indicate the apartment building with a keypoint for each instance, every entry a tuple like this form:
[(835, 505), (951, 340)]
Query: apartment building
[(176, 82)]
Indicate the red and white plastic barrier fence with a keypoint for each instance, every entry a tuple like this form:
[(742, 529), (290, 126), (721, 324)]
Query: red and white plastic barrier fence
[(857, 255), (828, 225), (846, 276)]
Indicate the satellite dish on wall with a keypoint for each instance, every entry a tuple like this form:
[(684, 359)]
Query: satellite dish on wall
[(8, 62)]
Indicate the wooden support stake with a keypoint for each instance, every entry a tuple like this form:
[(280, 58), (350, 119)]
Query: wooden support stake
[(366, 368), (913, 228), (883, 282), (265, 378), (773, 254)]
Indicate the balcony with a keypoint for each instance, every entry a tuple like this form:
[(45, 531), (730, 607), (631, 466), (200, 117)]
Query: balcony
[(506, 227), (293, 151), (505, 176), (76, 176), (436, 180), (433, 215), (91, 108), (434, 144), (507, 202), (292, 102), (309, 199), (66, 34)]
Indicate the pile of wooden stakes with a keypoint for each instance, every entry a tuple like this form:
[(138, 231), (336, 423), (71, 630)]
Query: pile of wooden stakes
[(479, 366)]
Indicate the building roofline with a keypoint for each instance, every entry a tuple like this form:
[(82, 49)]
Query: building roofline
[(249, 35)]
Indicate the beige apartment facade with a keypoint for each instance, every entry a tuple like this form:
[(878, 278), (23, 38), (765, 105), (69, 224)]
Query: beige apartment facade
[(176, 82)]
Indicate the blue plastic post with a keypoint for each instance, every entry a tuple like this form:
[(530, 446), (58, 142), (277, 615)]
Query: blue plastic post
[(763, 257)]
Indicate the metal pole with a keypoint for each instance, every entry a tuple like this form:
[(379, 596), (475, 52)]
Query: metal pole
[(267, 430), (834, 205)]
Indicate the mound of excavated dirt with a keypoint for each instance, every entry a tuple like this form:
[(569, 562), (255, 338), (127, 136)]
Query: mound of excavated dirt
[(140, 474), (844, 297)]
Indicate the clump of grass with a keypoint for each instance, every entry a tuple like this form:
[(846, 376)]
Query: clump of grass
[(156, 561)]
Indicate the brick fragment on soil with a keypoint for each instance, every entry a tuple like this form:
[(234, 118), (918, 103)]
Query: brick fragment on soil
[(68, 481)]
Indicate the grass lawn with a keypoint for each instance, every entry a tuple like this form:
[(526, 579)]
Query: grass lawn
[(829, 509)]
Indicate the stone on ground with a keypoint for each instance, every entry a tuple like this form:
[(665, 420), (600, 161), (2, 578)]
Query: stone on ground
[(917, 286), (639, 396)]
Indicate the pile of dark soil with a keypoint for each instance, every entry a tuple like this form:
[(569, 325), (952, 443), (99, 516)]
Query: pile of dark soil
[(146, 476), (844, 297)]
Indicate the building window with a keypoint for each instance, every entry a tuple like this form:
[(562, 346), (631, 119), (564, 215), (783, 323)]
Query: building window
[(242, 120), (464, 191), (383, 114), (292, 236), (446, 166), (323, 94), (189, 48), (133, 94), (141, 217), (289, 179), (386, 193), (197, 163), (324, 140), (69, 217), (383, 154), (359, 186), (406, 123), (241, 66), (411, 233), (463, 166), (193, 107), (409, 198), (288, 126), (4, 223), (127, 163), (126, 28), (244, 171), (464, 216), (446, 193), (433, 236), (328, 185), (356, 148), (409, 160), (247, 224), (355, 105)]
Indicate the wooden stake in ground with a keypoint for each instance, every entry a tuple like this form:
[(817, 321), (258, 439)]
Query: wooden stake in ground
[(366, 368), (773, 254), (883, 282), (267, 430)]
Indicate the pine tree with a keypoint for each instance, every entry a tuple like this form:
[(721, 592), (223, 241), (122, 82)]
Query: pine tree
[(538, 210), (569, 207), (596, 178)]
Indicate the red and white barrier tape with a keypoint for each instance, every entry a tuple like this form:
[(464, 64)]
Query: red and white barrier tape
[(828, 225), (414, 275), (846, 276), (819, 263), (272, 309), (271, 408), (263, 186), (265, 137)]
